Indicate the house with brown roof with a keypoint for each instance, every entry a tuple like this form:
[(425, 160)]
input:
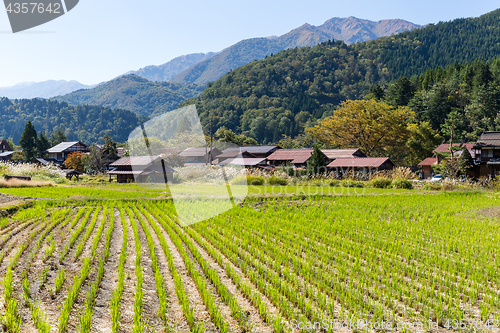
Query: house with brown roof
[(486, 155), (198, 156), (141, 169), (290, 157), (365, 165), (60, 152), (333, 154), (427, 164), (5, 151)]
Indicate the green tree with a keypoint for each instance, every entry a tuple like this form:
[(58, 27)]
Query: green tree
[(42, 143), (422, 142), (183, 126), (28, 142), (57, 136), (317, 163), (110, 149), (466, 161)]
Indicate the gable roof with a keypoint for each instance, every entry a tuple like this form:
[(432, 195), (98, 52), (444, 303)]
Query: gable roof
[(4, 145), (295, 156), (243, 161), (343, 153), (360, 162), (7, 153), (429, 161), (258, 149), (135, 161), (63, 146), (235, 153), (442, 148), (489, 139), (198, 152)]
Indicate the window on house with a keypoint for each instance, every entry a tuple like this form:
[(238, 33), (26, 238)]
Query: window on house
[(487, 153)]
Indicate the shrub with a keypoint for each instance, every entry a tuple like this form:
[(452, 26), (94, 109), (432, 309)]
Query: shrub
[(273, 180), (403, 173), (248, 180), (352, 183), (380, 182), (334, 182), (402, 183), (432, 187)]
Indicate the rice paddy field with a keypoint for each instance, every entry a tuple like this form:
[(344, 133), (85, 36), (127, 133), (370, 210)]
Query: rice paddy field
[(352, 262)]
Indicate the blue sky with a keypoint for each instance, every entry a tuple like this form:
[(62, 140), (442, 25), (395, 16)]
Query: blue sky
[(101, 39)]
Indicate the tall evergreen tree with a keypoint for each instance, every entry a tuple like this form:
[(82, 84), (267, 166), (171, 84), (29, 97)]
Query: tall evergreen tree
[(42, 143), (57, 136), (317, 163), (28, 142)]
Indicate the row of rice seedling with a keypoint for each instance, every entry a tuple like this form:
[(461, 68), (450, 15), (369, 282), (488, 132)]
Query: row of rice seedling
[(78, 281), (200, 282), (361, 251), (246, 288), (11, 321), (75, 234), (180, 290), (85, 317), (118, 292), (139, 320), (212, 274), (40, 320), (89, 230), (160, 288)]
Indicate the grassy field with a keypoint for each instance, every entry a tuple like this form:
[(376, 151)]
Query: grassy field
[(133, 191), (273, 264)]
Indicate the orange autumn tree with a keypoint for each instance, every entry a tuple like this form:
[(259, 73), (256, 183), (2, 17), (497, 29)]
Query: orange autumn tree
[(377, 128), (75, 161)]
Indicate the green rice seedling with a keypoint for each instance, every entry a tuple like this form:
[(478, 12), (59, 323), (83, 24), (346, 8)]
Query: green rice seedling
[(44, 275), (42, 323), (118, 292), (87, 234), (61, 277), (160, 289), (85, 317), (74, 236)]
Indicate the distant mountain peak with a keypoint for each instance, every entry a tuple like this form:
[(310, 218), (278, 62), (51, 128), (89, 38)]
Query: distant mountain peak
[(350, 30), (45, 89)]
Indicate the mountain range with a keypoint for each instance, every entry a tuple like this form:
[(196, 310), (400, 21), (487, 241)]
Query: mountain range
[(136, 94), (350, 30), (45, 89)]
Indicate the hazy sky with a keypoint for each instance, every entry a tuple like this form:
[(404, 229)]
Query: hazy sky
[(101, 39)]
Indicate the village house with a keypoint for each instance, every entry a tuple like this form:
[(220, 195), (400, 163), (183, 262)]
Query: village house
[(199, 156), (232, 153), (140, 169), (427, 164), (249, 163), (333, 154), (259, 151), (290, 157), (364, 165), (486, 155), (60, 152), (5, 151)]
